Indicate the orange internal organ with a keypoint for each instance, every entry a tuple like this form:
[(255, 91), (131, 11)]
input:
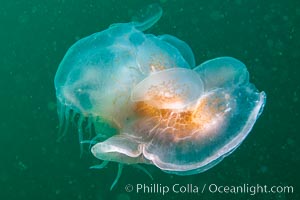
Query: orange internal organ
[(166, 93), (206, 113)]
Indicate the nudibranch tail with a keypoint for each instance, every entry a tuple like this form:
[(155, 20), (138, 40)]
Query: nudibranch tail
[(147, 17)]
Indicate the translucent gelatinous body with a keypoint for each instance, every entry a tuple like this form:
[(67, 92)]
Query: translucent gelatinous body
[(148, 103)]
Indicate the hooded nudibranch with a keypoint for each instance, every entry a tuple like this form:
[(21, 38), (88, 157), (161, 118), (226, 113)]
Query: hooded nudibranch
[(147, 102)]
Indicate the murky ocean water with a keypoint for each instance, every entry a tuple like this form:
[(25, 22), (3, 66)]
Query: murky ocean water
[(34, 37)]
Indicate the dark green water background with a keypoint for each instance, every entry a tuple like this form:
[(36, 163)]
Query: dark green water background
[(34, 36)]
